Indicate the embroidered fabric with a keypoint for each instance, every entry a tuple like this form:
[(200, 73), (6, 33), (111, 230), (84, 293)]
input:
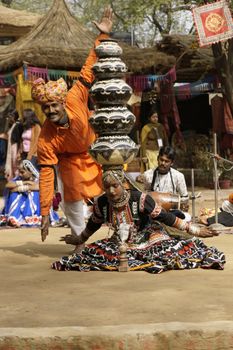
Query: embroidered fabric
[(122, 201)]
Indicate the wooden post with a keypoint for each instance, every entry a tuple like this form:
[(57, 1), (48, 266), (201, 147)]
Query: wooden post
[(215, 179), (193, 196)]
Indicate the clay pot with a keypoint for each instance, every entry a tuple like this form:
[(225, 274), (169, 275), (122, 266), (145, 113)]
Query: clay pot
[(112, 120), (108, 48), (110, 92), (108, 68), (225, 184), (113, 150), (166, 200)]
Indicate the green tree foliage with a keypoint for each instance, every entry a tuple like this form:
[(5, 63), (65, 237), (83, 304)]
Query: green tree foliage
[(147, 17), (39, 6)]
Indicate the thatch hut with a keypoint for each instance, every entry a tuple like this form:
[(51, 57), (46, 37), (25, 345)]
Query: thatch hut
[(59, 40), (192, 62), (15, 23)]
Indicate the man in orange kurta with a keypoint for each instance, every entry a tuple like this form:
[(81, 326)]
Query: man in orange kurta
[(65, 138)]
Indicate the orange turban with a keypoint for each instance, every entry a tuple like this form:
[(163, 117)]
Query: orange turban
[(51, 91), (231, 198)]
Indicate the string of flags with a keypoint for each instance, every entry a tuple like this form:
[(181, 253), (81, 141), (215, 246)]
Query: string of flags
[(137, 82)]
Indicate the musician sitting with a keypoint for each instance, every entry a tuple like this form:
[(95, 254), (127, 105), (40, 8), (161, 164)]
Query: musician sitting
[(166, 179)]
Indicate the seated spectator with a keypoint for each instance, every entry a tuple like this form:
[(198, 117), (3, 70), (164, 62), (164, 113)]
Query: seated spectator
[(22, 205), (166, 179), (225, 214)]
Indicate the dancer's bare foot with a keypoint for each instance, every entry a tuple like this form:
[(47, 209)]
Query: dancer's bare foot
[(203, 220)]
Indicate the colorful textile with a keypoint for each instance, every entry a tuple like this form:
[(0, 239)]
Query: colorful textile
[(228, 119), (51, 91), (222, 117), (23, 209), (168, 105), (213, 22), (152, 246), (148, 254), (33, 73), (24, 99)]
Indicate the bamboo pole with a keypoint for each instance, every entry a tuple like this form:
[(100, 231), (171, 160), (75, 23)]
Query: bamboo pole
[(215, 179), (193, 196)]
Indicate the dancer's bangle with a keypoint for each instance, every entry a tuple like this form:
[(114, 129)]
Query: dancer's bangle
[(194, 229), (23, 188)]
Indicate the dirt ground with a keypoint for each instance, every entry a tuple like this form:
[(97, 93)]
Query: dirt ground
[(33, 295)]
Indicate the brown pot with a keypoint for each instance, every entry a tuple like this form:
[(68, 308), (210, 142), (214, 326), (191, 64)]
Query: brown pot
[(225, 184)]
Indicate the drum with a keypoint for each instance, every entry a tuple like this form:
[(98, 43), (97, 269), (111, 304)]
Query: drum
[(166, 200)]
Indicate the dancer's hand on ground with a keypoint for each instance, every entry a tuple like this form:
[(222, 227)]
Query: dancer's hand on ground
[(205, 232), (44, 227), (71, 239), (105, 25)]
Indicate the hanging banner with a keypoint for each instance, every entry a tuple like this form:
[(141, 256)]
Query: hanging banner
[(213, 22), (33, 73), (142, 82)]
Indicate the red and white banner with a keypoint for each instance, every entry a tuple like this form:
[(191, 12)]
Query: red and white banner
[(213, 22)]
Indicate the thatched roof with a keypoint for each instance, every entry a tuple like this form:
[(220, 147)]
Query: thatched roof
[(192, 62), (60, 41), (16, 23), (147, 60)]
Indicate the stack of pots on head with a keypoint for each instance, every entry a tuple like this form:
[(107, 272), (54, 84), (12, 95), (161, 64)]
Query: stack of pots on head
[(112, 121)]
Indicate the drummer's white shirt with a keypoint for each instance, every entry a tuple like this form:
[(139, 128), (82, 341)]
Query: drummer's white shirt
[(163, 183)]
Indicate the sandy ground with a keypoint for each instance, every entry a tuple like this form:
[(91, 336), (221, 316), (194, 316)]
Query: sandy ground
[(33, 295)]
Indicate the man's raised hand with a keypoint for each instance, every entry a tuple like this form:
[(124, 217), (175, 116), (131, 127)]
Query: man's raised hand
[(105, 24)]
